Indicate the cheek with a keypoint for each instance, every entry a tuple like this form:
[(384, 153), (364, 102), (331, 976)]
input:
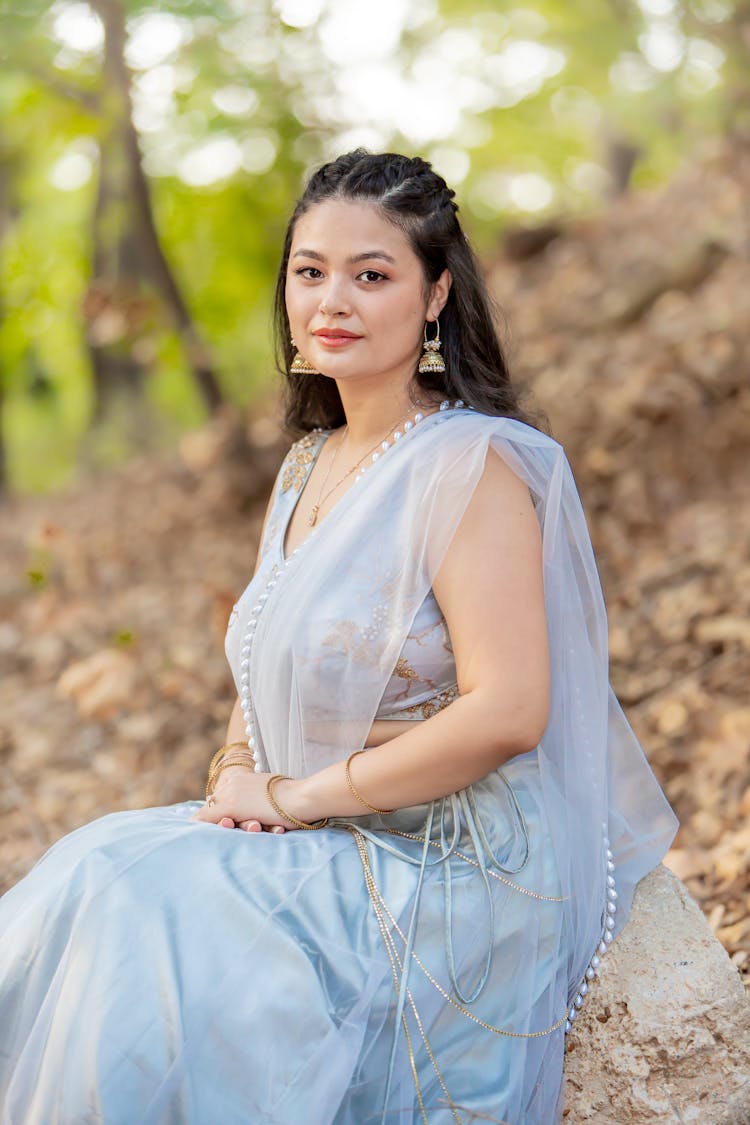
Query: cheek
[(403, 314), (406, 323), (295, 305), (289, 296), (412, 310)]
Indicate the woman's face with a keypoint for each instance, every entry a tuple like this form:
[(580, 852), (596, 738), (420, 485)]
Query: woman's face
[(355, 294)]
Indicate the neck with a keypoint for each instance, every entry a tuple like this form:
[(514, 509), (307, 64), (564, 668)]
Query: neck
[(371, 412)]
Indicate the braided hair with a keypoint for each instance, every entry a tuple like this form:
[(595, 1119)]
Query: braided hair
[(410, 194)]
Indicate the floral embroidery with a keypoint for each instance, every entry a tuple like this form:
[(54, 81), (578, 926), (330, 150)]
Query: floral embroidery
[(350, 638), (404, 669), (379, 616), (294, 467), (347, 638)]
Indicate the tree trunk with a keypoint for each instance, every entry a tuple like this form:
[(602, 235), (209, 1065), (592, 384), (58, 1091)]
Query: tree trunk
[(126, 242)]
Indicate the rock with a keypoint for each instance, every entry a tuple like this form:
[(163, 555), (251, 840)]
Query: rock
[(664, 1036)]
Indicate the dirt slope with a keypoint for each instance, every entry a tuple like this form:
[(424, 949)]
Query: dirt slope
[(632, 330)]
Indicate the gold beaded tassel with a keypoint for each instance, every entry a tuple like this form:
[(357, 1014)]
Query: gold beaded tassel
[(431, 362)]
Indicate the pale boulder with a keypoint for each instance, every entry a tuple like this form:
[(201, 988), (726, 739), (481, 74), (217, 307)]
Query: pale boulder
[(664, 1034)]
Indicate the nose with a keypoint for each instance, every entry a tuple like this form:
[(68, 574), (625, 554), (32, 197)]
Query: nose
[(334, 300)]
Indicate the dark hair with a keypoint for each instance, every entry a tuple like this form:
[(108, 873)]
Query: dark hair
[(418, 201)]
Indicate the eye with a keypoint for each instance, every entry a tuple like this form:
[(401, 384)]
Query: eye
[(305, 271), (371, 276)]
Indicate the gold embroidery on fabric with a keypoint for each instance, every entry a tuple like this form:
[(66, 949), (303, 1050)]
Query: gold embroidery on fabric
[(296, 462), (442, 625), (432, 705), (352, 639), (404, 669), (347, 638)]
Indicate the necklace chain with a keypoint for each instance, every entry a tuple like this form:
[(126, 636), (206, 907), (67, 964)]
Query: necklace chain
[(312, 518)]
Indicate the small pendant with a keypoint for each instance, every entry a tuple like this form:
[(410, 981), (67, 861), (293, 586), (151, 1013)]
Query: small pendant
[(312, 518)]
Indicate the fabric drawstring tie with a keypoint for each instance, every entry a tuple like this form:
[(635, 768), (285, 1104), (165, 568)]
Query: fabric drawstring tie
[(463, 809)]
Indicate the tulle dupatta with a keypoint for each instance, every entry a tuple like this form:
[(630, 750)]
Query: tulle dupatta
[(330, 635)]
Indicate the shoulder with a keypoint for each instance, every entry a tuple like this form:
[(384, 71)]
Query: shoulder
[(500, 427), (299, 456), (461, 445)]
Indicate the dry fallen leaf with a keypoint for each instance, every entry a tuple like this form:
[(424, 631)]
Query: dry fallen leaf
[(100, 685)]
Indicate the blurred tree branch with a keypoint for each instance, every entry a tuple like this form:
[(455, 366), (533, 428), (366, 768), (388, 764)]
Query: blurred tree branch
[(87, 99)]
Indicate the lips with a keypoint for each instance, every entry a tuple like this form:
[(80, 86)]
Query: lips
[(335, 338), (336, 334)]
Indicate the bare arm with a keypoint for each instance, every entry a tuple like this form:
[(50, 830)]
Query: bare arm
[(383, 730), (490, 590)]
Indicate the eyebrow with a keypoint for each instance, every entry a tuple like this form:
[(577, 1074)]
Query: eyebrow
[(365, 256)]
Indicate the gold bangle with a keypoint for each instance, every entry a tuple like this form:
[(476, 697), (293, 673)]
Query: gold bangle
[(222, 749), (285, 815), (222, 766), (362, 801), (228, 759)]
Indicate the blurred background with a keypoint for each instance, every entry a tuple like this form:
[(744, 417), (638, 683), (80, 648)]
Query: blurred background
[(149, 159)]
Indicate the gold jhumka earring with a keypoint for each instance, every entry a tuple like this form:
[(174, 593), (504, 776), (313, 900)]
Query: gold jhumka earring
[(431, 362), (300, 365)]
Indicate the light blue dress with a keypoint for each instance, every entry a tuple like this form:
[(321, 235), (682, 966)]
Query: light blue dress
[(415, 967)]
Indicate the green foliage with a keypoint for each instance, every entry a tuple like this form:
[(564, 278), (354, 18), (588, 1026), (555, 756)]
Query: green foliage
[(221, 236)]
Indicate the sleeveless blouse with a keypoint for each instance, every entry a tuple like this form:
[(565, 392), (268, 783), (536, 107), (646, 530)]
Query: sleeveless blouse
[(424, 676)]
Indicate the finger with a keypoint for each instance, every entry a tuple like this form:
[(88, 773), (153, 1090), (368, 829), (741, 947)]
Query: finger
[(210, 813)]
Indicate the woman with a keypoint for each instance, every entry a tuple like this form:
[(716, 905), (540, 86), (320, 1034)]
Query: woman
[(340, 936)]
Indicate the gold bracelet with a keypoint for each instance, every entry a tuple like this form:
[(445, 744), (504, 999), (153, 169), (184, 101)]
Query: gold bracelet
[(222, 766), (362, 801), (230, 757), (211, 782), (222, 749), (285, 815)]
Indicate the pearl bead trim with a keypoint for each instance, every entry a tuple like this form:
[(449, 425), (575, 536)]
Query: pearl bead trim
[(246, 704), (409, 424), (607, 937)]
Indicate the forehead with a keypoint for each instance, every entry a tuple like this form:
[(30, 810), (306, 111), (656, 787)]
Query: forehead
[(345, 227)]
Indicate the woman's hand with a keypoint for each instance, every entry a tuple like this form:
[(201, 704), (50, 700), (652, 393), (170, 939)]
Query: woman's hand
[(240, 801)]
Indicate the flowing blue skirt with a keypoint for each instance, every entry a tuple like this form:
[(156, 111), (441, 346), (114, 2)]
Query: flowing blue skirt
[(155, 969)]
